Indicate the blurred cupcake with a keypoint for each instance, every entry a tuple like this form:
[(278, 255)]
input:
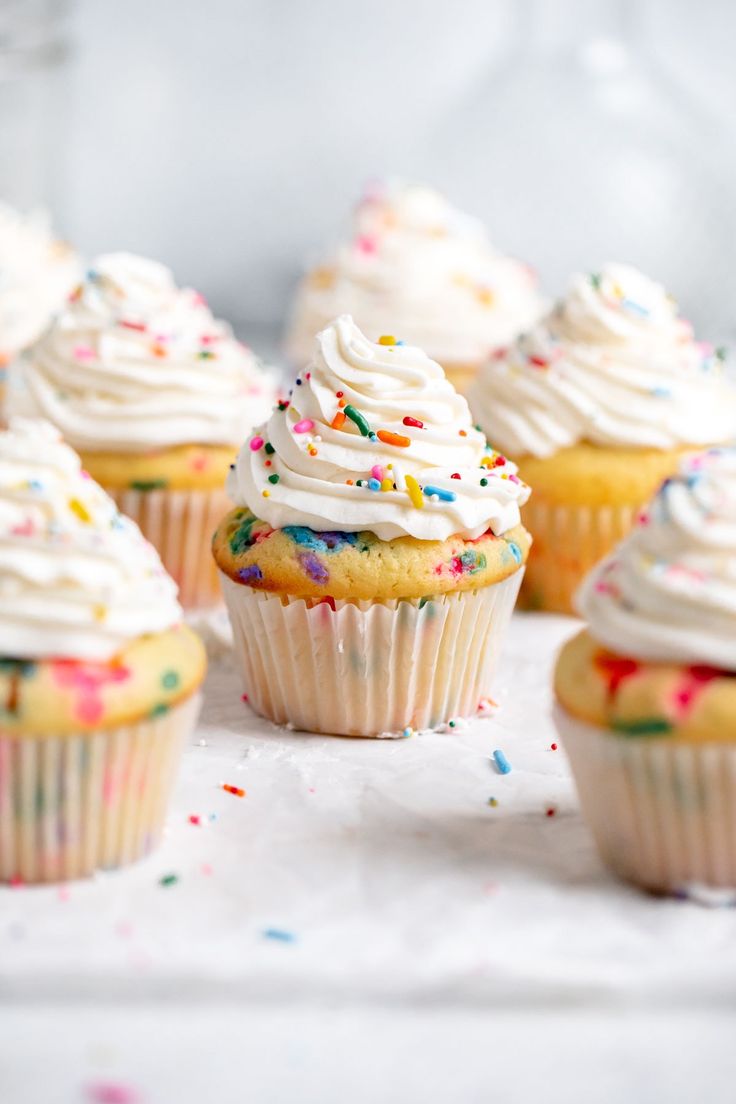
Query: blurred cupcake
[(375, 553), (155, 394), (98, 677), (597, 404), (647, 695), (417, 267), (37, 273)]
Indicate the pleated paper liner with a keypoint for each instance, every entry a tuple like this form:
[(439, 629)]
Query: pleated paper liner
[(72, 804), (180, 524), (663, 813), (568, 542), (358, 668)]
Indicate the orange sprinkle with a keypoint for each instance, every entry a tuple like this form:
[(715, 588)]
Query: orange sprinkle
[(338, 421), (396, 439), (487, 462), (349, 482), (462, 433), (158, 350), (233, 789), (342, 403)]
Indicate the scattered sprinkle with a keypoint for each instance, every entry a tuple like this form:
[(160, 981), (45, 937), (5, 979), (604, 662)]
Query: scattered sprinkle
[(413, 422), (492, 802), (387, 339), (168, 880), (111, 1092), (502, 764), (273, 478), (256, 443), (279, 935), (338, 421), (553, 747), (304, 426), (236, 790)]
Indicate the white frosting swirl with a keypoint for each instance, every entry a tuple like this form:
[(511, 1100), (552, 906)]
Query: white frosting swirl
[(136, 363), (668, 592), (77, 579), (612, 364), (416, 267), (313, 465), (37, 273)]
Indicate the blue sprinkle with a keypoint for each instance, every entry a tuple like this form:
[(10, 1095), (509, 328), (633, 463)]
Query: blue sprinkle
[(662, 392), (444, 496), (372, 437), (35, 484), (399, 342), (635, 308), (514, 550), (298, 383), (279, 935), (502, 764), (374, 485), (312, 567)]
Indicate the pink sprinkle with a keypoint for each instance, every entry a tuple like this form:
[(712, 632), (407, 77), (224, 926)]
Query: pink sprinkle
[(244, 697), (377, 472), (513, 478), (112, 1092), (84, 352), (206, 870), (256, 443), (304, 426), (364, 243)]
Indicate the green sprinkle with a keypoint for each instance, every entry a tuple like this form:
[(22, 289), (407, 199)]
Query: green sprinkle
[(159, 709), (168, 880), (273, 478), (359, 420), (269, 449), (170, 680), (205, 354), (484, 482), (283, 405), (149, 484), (595, 279), (645, 726), (721, 352)]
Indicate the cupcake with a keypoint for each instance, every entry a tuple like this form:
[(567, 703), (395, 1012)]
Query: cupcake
[(155, 394), (597, 404), (417, 267), (37, 273), (98, 677), (374, 554), (647, 693)]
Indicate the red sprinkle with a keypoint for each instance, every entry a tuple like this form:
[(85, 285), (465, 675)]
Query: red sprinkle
[(539, 361), (413, 422), (455, 475), (550, 812), (194, 818), (139, 326), (244, 697), (339, 394), (554, 747)]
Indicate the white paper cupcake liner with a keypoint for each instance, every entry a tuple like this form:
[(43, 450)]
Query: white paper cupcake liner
[(180, 524), (368, 668), (663, 813), (74, 803), (568, 542)]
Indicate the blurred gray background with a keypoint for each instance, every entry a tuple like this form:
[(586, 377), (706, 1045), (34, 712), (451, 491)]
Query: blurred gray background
[(231, 138)]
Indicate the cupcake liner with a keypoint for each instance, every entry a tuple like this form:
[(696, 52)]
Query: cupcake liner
[(180, 524), (663, 813), (368, 668), (74, 803), (568, 542)]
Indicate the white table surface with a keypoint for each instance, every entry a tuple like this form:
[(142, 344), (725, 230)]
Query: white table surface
[(439, 949)]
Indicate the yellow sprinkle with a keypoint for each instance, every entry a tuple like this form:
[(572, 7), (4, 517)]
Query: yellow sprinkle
[(390, 467), (100, 613), (387, 339), (414, 491), (80, 510), (487, 462), (485, 297), (387, 485), (266, 494)]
